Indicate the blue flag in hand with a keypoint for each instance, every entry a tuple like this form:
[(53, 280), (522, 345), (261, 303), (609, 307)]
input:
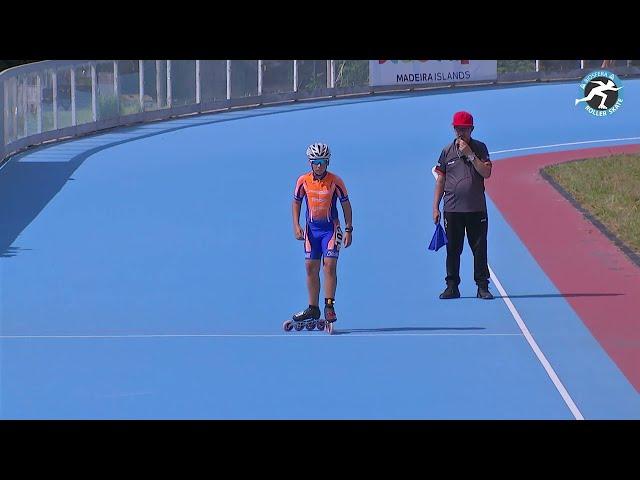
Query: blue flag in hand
[(439, 238)]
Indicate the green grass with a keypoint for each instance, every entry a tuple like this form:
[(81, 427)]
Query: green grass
[(609, 189)]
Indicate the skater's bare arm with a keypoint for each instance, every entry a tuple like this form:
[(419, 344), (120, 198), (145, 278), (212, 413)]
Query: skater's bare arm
[(297, 230), (348, 220)]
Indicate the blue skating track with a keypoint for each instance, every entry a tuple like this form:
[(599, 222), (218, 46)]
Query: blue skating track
[(146, 272)]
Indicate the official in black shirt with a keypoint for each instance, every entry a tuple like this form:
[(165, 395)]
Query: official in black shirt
[(462, 168)]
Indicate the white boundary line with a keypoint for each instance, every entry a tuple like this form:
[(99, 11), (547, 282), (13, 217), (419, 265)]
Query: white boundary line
[(534, 346)]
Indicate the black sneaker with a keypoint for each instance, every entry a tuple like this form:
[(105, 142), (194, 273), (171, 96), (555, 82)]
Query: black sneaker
[(484, 293), (450, 292)]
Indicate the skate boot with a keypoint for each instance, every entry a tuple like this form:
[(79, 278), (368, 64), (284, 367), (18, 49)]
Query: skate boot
[(306, 318), (329, 314)]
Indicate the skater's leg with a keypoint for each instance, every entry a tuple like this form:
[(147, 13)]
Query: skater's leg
[(330, 283), (313, 255), (330, 277), (331, 243), (313, 281)]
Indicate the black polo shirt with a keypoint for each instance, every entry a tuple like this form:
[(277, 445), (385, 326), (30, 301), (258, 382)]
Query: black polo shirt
[(463, 185)]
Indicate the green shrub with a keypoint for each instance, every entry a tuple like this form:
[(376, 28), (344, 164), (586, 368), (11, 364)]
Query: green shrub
[(108, 107)]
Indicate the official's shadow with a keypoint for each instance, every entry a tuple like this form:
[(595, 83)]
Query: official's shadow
[(402, 329), (557, 295)]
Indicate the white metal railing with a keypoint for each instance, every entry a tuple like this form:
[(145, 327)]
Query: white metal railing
[(51, 100)]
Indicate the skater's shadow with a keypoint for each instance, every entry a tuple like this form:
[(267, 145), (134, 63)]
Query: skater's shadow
[(402, 329)]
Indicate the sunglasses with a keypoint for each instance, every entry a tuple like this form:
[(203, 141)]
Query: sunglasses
[(319, 161)]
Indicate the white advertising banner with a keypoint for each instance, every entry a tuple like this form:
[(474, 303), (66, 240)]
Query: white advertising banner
[(413, 72)]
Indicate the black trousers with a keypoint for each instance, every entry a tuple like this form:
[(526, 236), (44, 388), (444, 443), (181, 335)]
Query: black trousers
[(476, 225)]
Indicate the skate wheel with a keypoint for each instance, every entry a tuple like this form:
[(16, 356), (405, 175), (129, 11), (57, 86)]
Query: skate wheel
[(298, 326), (311, 324), (287, 325), (320, 324)]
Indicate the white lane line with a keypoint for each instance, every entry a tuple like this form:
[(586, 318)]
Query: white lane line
[(565, 144), (532, 343), (253, 335)]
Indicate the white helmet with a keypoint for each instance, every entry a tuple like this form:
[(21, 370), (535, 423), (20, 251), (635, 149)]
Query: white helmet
[(318, 150)]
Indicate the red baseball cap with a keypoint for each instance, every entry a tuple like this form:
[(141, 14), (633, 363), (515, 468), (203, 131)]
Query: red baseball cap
[(462, 119)]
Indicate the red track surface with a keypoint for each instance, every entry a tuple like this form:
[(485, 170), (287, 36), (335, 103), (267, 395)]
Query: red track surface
[(577, 257)]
